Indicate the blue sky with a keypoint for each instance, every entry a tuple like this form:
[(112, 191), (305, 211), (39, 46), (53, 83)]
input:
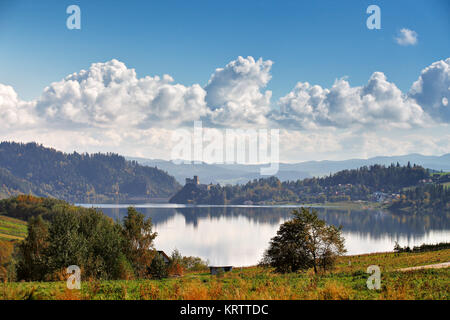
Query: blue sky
[(314, 41), (375, 94)]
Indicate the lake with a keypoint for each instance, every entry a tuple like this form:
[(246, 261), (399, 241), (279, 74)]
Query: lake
[(238, 235)]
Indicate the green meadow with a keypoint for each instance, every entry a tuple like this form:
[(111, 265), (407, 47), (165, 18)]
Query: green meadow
[(347, 281)]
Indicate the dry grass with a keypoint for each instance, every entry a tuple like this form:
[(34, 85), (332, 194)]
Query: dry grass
[(12, 229), (343, 283), (390, 261), (334, 291)]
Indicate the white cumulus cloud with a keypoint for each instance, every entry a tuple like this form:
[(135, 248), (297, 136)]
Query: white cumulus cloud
[(407, 37), (15, 112), (377, 103), (432, 90), (235, 93), (109, 94), (108, 108)]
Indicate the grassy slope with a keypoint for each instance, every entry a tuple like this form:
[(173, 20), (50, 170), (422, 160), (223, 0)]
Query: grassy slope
[(346, 281), (12, 229), (440, 173)]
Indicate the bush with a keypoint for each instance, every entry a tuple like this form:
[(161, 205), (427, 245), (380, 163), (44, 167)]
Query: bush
[(194, 263), (175, 265), (423, 248), (158, 268), (124, 269)]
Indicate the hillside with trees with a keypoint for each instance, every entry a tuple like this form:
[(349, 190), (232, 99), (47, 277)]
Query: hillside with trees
[(365, 183), (424, 198), (33, 169)]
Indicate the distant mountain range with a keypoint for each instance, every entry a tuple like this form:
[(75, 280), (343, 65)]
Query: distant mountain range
[(34, 169), (239, 173), (217, 173)]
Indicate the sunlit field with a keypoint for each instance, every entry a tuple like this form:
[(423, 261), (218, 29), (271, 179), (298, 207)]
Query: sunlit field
[(346, 281)]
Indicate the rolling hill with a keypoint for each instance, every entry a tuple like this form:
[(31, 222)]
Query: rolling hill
[(34, 169)]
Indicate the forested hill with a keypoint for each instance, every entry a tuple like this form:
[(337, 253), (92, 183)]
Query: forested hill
[(382, 178), (364, 183), (33, 169)]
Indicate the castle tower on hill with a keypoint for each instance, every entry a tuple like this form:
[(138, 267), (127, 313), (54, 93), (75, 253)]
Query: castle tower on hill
[(195, 180)]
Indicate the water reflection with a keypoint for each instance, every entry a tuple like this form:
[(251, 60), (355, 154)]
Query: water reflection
[(239, 235)]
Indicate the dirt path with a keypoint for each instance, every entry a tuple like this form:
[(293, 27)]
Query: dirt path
[(430, 266)]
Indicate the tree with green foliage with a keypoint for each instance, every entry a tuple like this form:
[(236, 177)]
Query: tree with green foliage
[(304, 242), (194, 263), (24, 207), (87, 238), (138, 236), (32, 251), (124, 269), (158, 268), (424, 198), (175, 267), (70, 235), (67, 246)]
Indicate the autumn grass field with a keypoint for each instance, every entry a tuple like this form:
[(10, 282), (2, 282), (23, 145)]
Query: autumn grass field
[(346, 281), (12, 229)]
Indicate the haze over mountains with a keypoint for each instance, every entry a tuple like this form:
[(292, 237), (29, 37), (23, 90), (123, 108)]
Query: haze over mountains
[(34, 169), (239, 173)]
